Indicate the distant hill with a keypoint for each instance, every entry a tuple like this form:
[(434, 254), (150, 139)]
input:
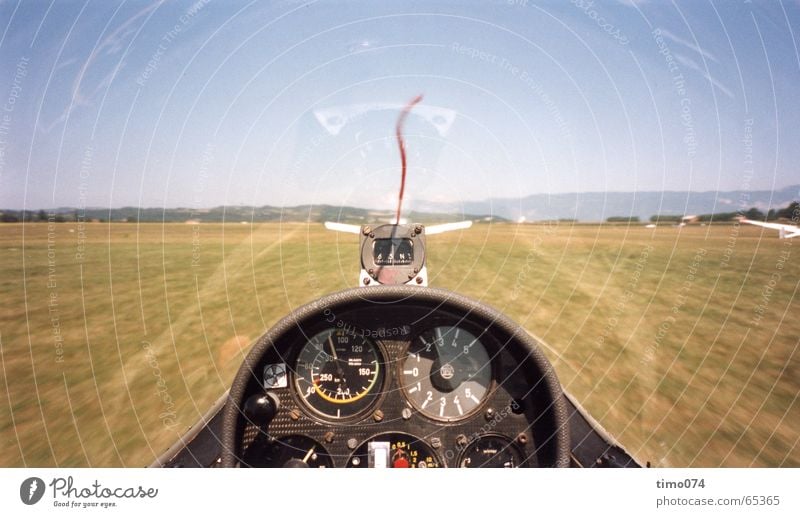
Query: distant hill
[(584, 207), (599, 206), (235, 214)]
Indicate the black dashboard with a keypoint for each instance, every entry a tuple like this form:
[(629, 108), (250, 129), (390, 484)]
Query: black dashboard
[(395, 376)]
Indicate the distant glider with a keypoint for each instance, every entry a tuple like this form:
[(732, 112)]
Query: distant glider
[(785, 231)]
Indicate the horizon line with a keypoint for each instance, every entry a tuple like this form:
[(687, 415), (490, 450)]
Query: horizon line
[(484, 200)]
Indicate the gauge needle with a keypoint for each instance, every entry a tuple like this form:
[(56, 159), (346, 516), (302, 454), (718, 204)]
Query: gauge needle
[(308, 454), (333, 348), (339, 371), (443, 351)]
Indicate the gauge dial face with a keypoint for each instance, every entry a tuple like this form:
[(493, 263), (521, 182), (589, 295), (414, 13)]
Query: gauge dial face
[(394, 450), (447, 373), (491, 451), (339, 374), (290, 451)]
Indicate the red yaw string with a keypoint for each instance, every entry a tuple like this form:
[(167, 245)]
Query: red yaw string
[(401, 144)]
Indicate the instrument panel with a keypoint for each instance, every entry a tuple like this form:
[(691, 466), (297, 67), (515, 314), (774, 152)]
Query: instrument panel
[(391, 378)]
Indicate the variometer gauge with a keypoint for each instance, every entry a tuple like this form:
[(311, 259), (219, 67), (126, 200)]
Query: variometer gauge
[(491, 451), (447, 373), (339, 374)]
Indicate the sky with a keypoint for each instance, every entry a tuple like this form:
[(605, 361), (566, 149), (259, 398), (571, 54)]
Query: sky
[(207, 103)]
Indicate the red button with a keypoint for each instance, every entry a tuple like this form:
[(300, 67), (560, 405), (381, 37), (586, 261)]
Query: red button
[(400, 463)]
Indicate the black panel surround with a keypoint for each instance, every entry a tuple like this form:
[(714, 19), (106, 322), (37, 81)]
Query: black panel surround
[(524, 402)]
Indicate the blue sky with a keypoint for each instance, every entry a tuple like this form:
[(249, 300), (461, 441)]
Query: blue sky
[(199, 104)]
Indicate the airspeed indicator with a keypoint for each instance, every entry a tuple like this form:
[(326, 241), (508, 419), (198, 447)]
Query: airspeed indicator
[(338, 373)]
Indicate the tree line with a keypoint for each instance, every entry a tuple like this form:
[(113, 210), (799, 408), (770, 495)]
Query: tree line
[(790, 212), (30, 216)]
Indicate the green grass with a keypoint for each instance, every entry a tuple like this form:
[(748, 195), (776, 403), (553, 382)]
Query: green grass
[(149, 329)]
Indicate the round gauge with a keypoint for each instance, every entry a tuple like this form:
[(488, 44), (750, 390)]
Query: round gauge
[(491, 451), (290, 451), (394, 450), (447, 373), (338, 374)]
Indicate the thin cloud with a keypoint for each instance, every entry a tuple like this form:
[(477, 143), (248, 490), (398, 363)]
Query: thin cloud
[(66, 62), (110, 45), (691, 64), (688, 44)]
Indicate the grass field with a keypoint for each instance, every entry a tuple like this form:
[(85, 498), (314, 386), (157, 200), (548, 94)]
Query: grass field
[(682, 342)]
